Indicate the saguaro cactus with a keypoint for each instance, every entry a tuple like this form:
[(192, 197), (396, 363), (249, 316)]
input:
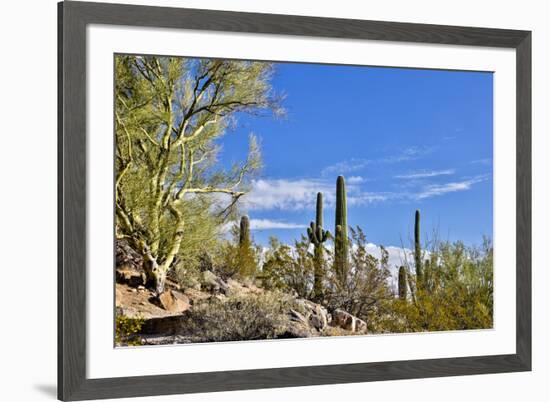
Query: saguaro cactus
[(317, 236), (245, 261), (341, 231), (402, 283), (244, 231), (417, 249)]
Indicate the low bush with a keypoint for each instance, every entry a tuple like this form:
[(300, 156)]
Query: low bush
[(127, 329), (243, 317)]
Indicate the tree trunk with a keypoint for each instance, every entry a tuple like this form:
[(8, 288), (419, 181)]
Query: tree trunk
[(318, 273)]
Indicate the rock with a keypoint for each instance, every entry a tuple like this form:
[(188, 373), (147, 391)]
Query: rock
[(317, 322), (297, 317), (174, 301), (118, 298), (360, 325), (305, 326), (127, 257), (213, 283), (169, 325), (345, 320), (319, 317), (316, 315), (298, 330), (130, 277)]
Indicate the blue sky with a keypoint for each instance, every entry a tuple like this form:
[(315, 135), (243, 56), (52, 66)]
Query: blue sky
[(403, 139)]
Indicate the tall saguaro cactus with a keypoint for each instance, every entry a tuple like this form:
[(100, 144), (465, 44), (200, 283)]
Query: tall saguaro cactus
[(341, 232), (402, 283), (317, 236), (417, 249)]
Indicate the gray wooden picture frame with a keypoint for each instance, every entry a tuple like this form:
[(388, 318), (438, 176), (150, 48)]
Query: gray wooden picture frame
[(73, 17)]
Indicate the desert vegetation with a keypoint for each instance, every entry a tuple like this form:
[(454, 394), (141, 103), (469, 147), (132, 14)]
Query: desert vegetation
[(188, 268)]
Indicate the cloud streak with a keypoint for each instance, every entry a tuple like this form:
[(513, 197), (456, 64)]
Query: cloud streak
[(425, 174), (357, 164), (264, 224), (434, 190)]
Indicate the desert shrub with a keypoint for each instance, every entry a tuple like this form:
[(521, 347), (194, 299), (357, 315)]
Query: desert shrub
[(127, 329), (239, 260), (289, 269), (365, 289), (235, 258), (243, 317), (456, 294)]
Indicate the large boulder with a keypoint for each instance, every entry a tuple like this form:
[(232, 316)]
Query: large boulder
[(298, 326), (174, 301), (316, 315)]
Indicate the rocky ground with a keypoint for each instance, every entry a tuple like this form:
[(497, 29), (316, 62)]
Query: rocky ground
[(169, 318)]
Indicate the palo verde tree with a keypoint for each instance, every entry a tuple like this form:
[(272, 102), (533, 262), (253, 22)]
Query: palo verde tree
[(169, 113)]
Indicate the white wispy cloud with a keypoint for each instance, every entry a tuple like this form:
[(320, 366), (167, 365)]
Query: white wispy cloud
[(357, 164), (425, 174), (263, 224), (286, 194), (408, 154), (301, 194), (356, 180), (364, 198), (484, 161), (348, 166), (433, 190)]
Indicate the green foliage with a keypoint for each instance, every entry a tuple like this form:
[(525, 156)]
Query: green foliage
[(317, 236), (127, 329), (288, 269), (244, 317), (457, 292), (239, 257), (341, 252)]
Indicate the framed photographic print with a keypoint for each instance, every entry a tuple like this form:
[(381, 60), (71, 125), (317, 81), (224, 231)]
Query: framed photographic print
[(256, 201)]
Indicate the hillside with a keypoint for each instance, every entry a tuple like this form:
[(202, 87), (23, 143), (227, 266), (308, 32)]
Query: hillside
[(219, 310)]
